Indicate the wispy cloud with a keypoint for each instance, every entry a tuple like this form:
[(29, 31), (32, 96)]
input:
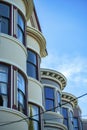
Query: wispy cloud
[(66, 65), (75, 70)]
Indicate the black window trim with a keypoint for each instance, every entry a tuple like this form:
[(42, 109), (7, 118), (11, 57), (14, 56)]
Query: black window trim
[(11, 20), (8, 83), (66, 118), (18, 26), (24, 94), (35, 65), (31, 118), (49, 98)]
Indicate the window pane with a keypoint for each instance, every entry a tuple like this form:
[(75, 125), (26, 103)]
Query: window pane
[(64, 112), (21, 82), (31, 57), (20, 28), (5, 100), (3, 88), (49, 93), (33, 125), (21, 92), (75, 122), (34, 121), (59, 101), (3, 73), (65, 115), (4, 23), (3, 83), (71, 116), (49, 105), (3, 69), (3, 77), (21, 22), (66, 122), (31, 70), (4, 10), (20, 35), (34, 110), (58, 97), (21, 98)]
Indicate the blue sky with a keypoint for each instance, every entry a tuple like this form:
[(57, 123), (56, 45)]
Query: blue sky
[(64, 25)]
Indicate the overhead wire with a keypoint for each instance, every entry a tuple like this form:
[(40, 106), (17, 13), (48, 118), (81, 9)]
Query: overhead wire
[(12, 122), (61, 104)]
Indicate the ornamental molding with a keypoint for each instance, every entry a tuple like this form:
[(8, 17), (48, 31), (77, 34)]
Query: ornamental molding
[(57, 76), (37, 35), (69, 98), (29, 8)]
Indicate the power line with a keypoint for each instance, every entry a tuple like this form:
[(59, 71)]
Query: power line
[(61, 104), (12, 122)]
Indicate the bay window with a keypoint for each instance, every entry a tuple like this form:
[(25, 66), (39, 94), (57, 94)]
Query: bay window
[(49, 99), (34, 120), (21, 92)]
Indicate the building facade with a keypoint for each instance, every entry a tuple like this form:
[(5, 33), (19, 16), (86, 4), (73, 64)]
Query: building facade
[(61, 108), (30, 98), (22, 46), (53, 84)]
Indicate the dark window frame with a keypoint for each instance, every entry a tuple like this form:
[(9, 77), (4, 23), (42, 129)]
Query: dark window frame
[(8, 84), (76, 127), (31, 118), (19, 27), (35, 65), (58, 101), (52, 99), (11, 19), (65, 118), (22, 107)]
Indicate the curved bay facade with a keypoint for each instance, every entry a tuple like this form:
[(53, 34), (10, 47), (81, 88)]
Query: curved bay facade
[(53, 84), (21, 49)]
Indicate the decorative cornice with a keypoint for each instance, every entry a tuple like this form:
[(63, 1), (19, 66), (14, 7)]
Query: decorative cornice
[(57, 76), (29, 8), (37, 35), (69, 98)]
